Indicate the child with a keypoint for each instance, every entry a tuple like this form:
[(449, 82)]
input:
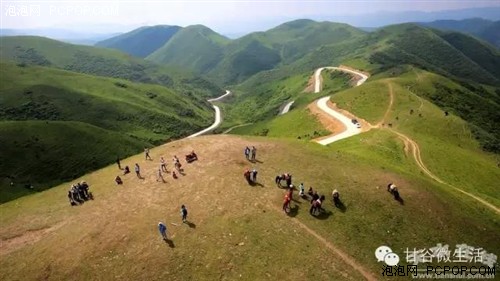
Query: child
[(184, 213), (301, 190)]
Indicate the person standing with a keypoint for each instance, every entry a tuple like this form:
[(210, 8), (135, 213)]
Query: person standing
[(254, 153), (301, 190), (254, 175), (163, 230), (137, 170), (184, 213), (163, 165), (146, 153), (247, 153), (160, 176)]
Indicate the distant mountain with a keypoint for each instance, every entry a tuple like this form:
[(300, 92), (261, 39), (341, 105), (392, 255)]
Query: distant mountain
[(196, 47), (69, 36), (484, 29), (31, 50), (232, 61), (141, 42)]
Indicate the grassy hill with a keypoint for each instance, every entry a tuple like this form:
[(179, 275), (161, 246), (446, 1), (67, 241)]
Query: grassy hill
[(232, 61), (481, 28), (103, 108), (141, 42), (31, 50), (196, 47), (252, 241)]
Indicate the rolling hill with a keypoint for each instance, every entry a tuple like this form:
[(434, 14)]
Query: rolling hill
[(484, 29), (141, 42), (30, 50), (196, 48), (38, 104), (232, 61)]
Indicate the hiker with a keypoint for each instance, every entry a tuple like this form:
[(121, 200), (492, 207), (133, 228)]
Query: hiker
[(146, 153), (277, 180), (315, 197), (126, 171), (160, 176), (393, 189), (254, 175), (288, 179), (70, 197), (246, 174), (177, 163), (184, 213), (316, 205), (163, 230), (336, 197), (254, 153), (118, 162), (301, 190), (118, 180), (286, 203), (137, 170), (247, 153), (163, 165)]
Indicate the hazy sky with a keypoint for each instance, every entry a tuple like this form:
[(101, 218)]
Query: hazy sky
[(223, 16)]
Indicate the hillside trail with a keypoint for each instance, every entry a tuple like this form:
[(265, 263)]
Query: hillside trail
[(409, 144)]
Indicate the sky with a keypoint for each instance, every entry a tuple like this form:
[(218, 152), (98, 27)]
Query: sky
[(102, 16)]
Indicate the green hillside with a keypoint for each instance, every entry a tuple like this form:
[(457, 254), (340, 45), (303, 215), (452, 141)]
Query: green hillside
[(196, 48), (481, 28), (233, 61), (142, 41), (31, 50), (143, 114), (46, 153)]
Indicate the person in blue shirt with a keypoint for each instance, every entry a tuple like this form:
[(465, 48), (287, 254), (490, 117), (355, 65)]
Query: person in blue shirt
[(163, 230)]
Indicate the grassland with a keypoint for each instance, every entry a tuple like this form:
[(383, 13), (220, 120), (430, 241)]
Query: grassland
[(106, 118), (238, 231)]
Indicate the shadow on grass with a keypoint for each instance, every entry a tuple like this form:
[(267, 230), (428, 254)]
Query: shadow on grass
[(253, 183), (190, 224), (340, 205), (400, 200), (256, 161), (323, 215), (169, 242), (293, 211)]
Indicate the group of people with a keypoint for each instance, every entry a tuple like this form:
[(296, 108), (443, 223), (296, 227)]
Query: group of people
[(250, 154), (250, 176), (161, 169), (287, 177), (79, 193), (162, 228)]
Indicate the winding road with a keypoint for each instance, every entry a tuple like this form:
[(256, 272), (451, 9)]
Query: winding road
[(322, 103), (217, 116)]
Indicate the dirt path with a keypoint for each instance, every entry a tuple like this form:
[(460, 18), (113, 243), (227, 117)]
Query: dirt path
[(345, 257), (415, 149), (391, 101), (29, 237), (237, 126)]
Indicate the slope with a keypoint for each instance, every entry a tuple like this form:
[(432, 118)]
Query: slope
[(31, 50), (254, 241), (481, 28), (196, 48), (141, 42), (149, 114)]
